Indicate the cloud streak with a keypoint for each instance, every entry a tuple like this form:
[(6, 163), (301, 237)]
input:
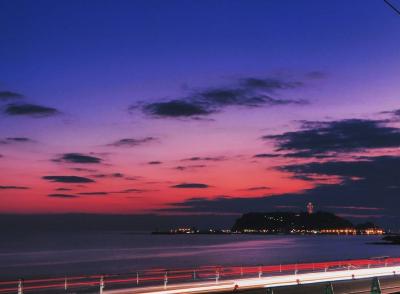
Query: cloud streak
[(65, 196), (191, 186), (132, 142), (13, 188), (9, 95), (68, 179), (78, 158), (31, 110)]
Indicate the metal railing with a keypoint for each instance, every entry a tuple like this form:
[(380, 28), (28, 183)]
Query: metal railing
[(165, 277)]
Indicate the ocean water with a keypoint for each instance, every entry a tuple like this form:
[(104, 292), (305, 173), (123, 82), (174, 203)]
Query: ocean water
[(59, 254)]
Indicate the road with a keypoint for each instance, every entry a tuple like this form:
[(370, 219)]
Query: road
[(265, 282)]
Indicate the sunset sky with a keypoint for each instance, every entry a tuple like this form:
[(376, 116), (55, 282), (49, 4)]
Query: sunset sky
[(200, 107)]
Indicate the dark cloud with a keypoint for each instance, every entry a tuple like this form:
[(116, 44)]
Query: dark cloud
[(198, 158), (8, 95), (258, 188), (132, 142), (10, 140), (81, 169), (154, 162), (327, 138), (307, 154), (68, 179), (62, 196), (175, 108), (113, 175), (189, 167), (270, 84), (383, 171), (367, 182), (132, 190), (78, 158), (266, 155), (32, 110), (18, 139), (248, 92), (63, 189), (191, 186), (94, 193), (13, 188)]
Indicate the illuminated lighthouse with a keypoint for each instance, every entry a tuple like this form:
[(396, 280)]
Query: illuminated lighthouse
[(310, 208)]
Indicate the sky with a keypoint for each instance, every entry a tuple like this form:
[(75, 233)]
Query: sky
[(200, 108)]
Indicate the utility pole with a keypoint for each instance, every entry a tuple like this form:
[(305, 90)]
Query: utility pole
[(101, 284), (20, 287), (65, 284), (392, 6)]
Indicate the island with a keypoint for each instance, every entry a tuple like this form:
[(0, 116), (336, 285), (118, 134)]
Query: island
[(300, 223)]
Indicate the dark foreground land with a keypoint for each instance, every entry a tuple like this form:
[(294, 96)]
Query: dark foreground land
[(388, 285)]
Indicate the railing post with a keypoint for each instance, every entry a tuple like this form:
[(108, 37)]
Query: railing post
[(165, 280), (194, 274), (20, 287), (259, 272), (295, 269), (65, 284), (216, 276), (101, 284), (280, 267), (376, 286), (137, 278), (241, 271), (329, 289)]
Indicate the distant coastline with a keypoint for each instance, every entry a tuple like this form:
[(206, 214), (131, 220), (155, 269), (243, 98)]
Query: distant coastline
[(389, 240)]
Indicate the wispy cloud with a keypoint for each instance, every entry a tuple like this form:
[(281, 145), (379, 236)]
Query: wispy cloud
[(205, 158), (94, 193), (189, 167), (9, 95), (32, 110), (66, 196), (11, 140), (132, 142), (68, 179), (13, 188), (78, 158), (191, 186)]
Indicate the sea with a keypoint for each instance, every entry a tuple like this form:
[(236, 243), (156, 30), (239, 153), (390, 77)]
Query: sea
[(32, 255)]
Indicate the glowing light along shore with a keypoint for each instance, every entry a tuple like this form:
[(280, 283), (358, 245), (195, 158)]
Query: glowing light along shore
[(268, 282)]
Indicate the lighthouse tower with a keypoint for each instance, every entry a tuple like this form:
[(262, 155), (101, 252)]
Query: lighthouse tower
[(310, 208)]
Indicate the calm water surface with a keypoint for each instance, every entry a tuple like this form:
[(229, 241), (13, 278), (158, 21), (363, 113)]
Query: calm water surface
[(55, 254)]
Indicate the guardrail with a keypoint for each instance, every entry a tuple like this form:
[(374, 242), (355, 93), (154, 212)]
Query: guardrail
[(165, 277)]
